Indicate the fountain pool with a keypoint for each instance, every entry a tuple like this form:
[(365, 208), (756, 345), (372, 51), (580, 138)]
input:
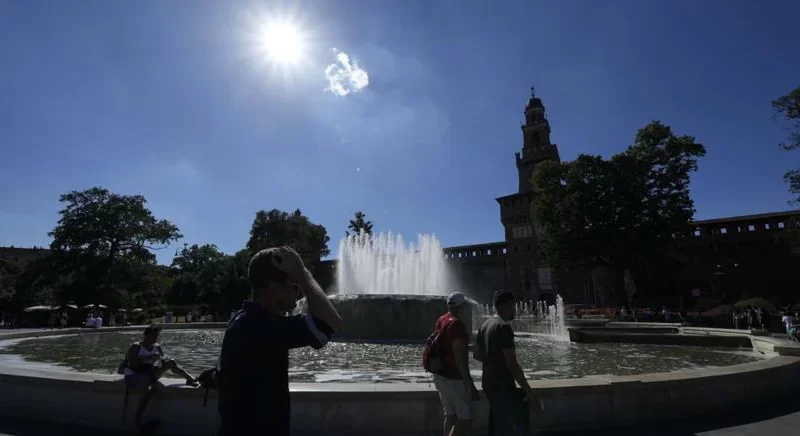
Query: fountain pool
[(541, 356)]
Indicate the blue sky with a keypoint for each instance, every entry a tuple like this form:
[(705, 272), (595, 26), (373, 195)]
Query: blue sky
[(177, 101)]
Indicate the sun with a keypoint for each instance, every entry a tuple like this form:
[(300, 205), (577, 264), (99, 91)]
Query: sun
[(283, 42)]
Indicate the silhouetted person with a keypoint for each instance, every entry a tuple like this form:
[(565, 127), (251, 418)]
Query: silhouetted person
[(145, 365), (501, 372), (454, 383), (253, 379)]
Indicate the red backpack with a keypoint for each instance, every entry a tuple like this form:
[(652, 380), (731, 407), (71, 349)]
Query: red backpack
[(432, 359)]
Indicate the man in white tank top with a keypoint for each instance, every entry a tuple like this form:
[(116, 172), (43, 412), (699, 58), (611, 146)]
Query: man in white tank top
[(145, 364)]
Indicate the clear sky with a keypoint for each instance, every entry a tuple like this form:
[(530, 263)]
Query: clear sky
[(182, 102)]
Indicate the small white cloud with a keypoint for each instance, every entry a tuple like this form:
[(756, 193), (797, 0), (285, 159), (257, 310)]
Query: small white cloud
[(345, 75)]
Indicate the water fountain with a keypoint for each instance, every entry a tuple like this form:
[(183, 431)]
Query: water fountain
[(536, 317), (389, 290), (552, 318)]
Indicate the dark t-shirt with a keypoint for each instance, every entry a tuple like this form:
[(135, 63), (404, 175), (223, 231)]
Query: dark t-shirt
[(494, 336), (450, 328), (253, 378)]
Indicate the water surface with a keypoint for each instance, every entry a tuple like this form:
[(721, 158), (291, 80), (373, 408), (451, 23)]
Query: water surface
[(541, 357)]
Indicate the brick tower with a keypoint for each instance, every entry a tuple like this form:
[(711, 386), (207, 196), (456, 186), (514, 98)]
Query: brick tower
[(528, 277)]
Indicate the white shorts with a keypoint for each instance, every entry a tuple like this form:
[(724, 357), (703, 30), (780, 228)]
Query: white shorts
[(455, 398)]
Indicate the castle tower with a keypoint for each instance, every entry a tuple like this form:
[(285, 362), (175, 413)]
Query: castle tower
[(528, 277), (536, 145)]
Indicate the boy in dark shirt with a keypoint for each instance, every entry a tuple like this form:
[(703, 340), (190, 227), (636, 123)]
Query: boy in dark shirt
[(495, 348), (253, 378)]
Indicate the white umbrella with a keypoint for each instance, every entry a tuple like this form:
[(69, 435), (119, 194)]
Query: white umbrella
[(95, 306), (121, 310), (137, 310), (37, 309)]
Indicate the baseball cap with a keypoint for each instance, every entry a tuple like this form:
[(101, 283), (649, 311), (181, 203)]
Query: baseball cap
[(261, 270), (456, 299)]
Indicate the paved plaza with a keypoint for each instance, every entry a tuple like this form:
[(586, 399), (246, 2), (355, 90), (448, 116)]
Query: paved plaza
[(781, 419)]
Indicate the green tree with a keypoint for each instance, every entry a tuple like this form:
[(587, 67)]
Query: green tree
[(619, 213), (273, 228), (359, 224), (234, 283), (101, 235), (199, 270), (788, 107), (9, 272)]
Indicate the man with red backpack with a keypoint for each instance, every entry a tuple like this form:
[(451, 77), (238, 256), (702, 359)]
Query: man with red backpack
[(446, 356)]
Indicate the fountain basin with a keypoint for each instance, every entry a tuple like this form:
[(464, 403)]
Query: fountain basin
[(392, 409), (379, 317), (541, 356)]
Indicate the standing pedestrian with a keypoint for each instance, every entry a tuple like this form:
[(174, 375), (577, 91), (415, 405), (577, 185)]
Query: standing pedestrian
[(253, 370), (501, 372)]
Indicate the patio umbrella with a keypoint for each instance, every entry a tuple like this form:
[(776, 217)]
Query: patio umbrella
[(37, 309), (95, 306), (137, 310)]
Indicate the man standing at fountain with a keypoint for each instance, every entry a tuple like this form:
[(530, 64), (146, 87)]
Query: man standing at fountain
[(454, 382), (253, 369), (495, 348)]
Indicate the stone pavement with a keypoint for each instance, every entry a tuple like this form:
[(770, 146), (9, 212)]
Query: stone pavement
[(779, 419)]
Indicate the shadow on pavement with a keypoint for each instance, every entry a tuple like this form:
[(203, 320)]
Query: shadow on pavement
[(715, 424)]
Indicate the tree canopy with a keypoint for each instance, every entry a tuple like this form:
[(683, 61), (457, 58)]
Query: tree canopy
[(107, 224), (275, 227), (100, 243), (788, 107), (359, 224), (621, 212), (198, 275)]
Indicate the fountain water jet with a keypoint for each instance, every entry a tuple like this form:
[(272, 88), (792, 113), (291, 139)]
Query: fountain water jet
[(535, 317), (384, 264), (388, 290), (552, 318)]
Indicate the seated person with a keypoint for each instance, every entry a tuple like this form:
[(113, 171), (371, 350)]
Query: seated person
[(90, 321), (98, 321), (145, 364)]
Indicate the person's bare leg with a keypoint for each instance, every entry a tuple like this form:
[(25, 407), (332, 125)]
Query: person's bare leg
[(449, 422), (460, 427), (141, 407), (177, 369)]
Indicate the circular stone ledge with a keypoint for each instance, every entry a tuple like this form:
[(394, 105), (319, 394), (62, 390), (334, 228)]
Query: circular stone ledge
[(96, 400)]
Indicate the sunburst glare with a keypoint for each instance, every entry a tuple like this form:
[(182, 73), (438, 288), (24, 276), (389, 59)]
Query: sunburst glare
[(283, 42)]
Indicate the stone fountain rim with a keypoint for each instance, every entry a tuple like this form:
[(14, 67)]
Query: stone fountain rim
[(779, 357)]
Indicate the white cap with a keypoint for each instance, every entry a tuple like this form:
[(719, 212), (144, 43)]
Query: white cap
[(456, 299)]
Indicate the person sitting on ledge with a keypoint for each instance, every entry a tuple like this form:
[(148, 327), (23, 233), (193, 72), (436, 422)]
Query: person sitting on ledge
[(146, 364)]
